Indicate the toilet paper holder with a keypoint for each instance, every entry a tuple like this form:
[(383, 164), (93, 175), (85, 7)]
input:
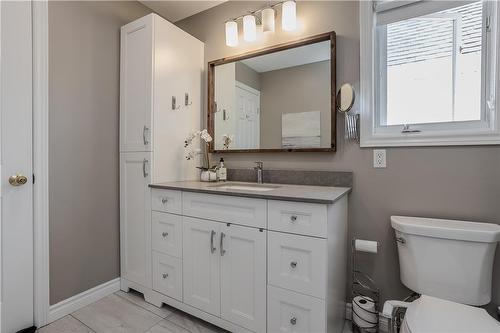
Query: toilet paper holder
[(364, 290)]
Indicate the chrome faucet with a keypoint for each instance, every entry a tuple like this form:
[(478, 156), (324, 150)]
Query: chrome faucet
[(259, 168)]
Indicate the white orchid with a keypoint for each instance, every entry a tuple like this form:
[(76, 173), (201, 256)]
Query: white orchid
[(205, 136), (191, 153), (226, 140)]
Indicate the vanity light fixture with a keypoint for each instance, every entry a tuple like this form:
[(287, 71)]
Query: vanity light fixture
[(231, 33), (266, 18), (289, 15), (249, 28)]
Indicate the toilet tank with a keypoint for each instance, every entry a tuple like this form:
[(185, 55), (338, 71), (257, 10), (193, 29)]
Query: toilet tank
[(447, 259)]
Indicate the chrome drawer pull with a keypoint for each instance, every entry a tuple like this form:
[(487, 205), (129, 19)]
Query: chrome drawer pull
[(293, 264), (144, 172), (222, 251), (165, 275), (293, 218), (164, 234), (144, 139), (164, 200), (293, 321), (212, 247)]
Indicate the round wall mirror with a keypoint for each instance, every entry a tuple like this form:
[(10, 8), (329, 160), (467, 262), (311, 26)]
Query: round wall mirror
[(345, 97)]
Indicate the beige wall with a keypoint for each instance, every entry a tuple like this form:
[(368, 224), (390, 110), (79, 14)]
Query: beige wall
[(443, 182), (246, 75), (83, 142), (290, 90)]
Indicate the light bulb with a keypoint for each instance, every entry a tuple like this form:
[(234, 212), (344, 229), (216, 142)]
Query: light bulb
[(289, 16), (231, 33), (249, 28), (268, 20)]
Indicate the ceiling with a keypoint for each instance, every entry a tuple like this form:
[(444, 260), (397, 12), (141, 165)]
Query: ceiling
[(177, 10), (302, 55)]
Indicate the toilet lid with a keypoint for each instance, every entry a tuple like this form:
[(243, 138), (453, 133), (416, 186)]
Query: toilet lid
[(433, 315)]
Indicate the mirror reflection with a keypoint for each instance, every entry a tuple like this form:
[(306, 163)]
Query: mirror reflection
[(279, 100)]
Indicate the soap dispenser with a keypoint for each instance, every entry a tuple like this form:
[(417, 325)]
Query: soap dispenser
[(222, 171)]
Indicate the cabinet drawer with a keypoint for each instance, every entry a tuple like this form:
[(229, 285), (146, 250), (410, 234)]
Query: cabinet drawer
[(292, 312), (297, 263), (298, 218), (245, 211), (166, 233), (169, 201), (167, 275)]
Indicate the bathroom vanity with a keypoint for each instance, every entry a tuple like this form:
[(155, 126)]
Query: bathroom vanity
[(248, 257)]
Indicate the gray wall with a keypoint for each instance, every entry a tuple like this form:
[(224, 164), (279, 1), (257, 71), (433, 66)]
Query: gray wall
[(443, 182), (246, 75), (84, 55), (295, 89)]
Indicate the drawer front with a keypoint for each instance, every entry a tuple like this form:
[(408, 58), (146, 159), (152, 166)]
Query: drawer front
[(245, 211), (297, 263), (167, 275), (166, 233), (297, 218), (168, 201), (292, 312)]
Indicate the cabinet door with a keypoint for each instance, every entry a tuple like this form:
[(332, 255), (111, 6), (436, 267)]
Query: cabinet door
[(243, 276), (135, 217), (201, 264), (136, 77)]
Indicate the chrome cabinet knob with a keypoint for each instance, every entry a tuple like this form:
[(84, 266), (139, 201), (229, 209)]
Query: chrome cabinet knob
[(165, 275), (293, 264), (164, 200), (293, 321), (164, 234), (293, 218)]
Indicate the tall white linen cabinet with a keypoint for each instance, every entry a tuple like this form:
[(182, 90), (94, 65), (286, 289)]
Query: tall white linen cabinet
[(160, 104)]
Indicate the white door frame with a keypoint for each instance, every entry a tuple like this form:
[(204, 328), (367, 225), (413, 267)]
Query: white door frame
[(40, 25)]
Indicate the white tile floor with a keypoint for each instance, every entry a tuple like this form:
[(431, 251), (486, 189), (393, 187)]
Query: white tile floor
[(129, 313)]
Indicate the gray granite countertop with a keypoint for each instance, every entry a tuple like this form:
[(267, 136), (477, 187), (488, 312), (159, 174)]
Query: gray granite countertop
[(302, 193)]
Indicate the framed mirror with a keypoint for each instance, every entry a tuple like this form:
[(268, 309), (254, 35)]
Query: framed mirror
[(277, 99)]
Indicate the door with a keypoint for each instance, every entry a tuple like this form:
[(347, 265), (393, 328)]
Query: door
[(16, 160), (201, 264), (135, 217), (248, 117), (243, 276), (136, 77)]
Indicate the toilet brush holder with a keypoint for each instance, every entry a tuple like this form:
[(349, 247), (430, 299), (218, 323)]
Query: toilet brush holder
[(364, 292)]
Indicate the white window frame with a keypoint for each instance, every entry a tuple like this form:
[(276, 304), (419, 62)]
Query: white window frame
[(483, 132)]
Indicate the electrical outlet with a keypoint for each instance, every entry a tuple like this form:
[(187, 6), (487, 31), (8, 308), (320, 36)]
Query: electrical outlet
[(379, 158)]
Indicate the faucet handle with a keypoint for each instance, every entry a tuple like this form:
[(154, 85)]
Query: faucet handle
[(260, 165)]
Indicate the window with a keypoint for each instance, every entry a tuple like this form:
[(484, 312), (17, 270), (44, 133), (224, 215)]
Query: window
[(429, 72)]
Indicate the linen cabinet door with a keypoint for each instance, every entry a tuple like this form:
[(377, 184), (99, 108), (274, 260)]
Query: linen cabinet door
[(201, 264), (135, 217), (243, 276), (136, 81)]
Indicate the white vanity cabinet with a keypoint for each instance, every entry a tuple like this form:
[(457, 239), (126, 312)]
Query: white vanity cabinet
[(159, 63), (249, 264)]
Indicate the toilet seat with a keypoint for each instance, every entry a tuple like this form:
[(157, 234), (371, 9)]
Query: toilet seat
[(433, 315)]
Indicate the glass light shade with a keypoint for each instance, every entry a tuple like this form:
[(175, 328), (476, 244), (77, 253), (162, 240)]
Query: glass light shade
[(268, 20), (289, 16), (249, 28), (231, 33)]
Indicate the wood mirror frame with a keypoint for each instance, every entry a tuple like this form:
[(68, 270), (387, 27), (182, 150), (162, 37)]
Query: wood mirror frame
[(331, 36)]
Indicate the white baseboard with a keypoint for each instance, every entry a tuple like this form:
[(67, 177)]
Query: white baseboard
[(83, 299)]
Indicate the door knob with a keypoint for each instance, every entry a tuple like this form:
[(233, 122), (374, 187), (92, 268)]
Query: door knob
[(17, 180)]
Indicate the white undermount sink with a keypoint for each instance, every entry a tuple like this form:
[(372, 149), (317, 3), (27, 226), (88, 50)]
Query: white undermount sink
[(243, 187)]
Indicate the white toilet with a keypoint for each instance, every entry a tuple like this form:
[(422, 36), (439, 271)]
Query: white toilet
[(450, 263)]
